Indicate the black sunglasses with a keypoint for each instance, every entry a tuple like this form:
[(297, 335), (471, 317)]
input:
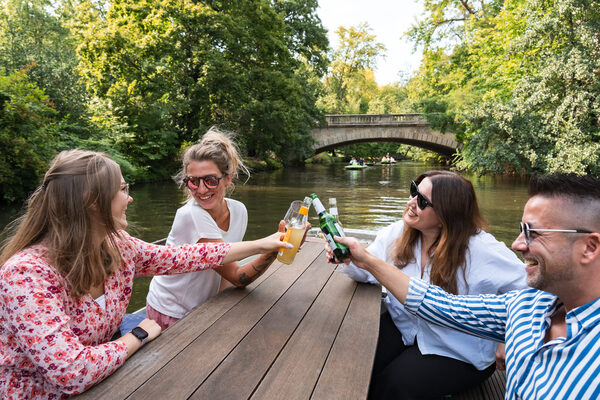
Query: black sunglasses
[(210, 181), (524, 227), (422, 201)]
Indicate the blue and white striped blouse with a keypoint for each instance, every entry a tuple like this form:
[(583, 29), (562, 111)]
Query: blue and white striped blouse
[(563, 368)]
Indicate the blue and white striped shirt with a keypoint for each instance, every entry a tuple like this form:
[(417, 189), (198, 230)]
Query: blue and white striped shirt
[(563, 368)]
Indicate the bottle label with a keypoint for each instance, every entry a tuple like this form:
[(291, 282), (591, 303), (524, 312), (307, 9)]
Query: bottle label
[(330, 233), (339, 229), (333, 211), (332, 243)]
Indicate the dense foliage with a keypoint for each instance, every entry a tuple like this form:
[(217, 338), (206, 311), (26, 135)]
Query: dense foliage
[(141, 79), (517, 81), (27, 134)]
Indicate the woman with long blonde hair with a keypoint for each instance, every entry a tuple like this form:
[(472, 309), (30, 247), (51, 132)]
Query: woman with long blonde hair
[(66, 276), (440, 239)]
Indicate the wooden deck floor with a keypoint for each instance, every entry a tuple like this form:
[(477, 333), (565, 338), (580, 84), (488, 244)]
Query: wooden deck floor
[(491, 389)]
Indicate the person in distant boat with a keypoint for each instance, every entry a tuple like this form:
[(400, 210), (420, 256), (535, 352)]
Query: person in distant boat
[(361, 161), (386, 158), (208, 170), (440, 239), (353, 161), (552, 328), (66, 277)]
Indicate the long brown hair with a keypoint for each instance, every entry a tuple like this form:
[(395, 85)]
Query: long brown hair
[(456, 206), (73, 202), (216, 146)]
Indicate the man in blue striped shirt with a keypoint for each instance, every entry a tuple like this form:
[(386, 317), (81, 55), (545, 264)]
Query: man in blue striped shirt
[(552, 329)]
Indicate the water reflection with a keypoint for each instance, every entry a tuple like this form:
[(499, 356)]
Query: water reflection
[(370, 199)]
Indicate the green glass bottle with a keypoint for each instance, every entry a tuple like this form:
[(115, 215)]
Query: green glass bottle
[(330, 228)]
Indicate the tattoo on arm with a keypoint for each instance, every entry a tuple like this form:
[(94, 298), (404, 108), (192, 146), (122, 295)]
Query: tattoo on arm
[(259, 268), (245, 279)]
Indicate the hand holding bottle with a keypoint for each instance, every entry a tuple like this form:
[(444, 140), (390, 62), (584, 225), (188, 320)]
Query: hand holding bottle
[(358, 253), (296, 222), (330, 228)]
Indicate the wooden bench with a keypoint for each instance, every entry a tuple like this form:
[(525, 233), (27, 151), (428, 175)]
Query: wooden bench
[(491, 389)]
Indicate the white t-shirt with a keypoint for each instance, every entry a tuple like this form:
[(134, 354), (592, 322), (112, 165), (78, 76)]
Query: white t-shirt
[(491, 267), (177, 295)]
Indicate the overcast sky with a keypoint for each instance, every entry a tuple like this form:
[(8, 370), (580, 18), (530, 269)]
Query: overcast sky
[(388, 19)]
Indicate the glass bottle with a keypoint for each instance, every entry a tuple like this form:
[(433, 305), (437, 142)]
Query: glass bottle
[(333, 210), (296, 220), (330, 228)]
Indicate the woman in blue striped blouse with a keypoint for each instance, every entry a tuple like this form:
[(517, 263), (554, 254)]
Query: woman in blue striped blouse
[(552, 329)]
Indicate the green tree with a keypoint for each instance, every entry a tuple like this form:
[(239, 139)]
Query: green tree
[(306, 36), (350, 83), (170, 69), (28, 135), (517, 84), (34, 38)]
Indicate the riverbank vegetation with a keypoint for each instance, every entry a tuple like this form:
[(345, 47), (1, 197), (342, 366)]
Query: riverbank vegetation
[(517, 82)]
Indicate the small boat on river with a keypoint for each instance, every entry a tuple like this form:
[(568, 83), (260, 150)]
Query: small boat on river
[(356, 166)]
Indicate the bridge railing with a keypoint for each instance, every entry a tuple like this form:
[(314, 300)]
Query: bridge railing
[(374, 119)]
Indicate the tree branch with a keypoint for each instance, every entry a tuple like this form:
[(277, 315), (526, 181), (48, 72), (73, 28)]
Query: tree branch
[(467, 7), (447, 21)]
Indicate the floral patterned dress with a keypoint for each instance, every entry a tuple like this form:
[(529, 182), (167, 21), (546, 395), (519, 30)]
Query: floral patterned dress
[(53, 345)]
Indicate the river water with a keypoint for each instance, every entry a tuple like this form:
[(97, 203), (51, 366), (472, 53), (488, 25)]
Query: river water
[(369, 199)]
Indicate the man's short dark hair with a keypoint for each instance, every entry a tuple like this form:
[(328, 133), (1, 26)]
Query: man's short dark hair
[(567, 185)]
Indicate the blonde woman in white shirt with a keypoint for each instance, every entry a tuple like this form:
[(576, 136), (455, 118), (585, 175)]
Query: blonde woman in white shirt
[(209, 168)]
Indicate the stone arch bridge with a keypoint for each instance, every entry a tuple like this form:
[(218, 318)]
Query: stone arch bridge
[(410, 129)]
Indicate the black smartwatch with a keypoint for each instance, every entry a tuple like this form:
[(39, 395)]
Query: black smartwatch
[(140, 333)]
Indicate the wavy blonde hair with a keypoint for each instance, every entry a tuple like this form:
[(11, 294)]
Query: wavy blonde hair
[(216, 146), (65, 212)]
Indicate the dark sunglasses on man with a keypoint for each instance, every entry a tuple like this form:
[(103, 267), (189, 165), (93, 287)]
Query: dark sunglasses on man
[(210, 181), (422, 201)]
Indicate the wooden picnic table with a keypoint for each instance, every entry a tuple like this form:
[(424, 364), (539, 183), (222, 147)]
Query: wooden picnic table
[(299, 331)]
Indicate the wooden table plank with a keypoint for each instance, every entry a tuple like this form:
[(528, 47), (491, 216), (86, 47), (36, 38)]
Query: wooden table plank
[(347, 373), (294, 373), (175, 380), (250, 360), (296, 327), (145, 363)]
